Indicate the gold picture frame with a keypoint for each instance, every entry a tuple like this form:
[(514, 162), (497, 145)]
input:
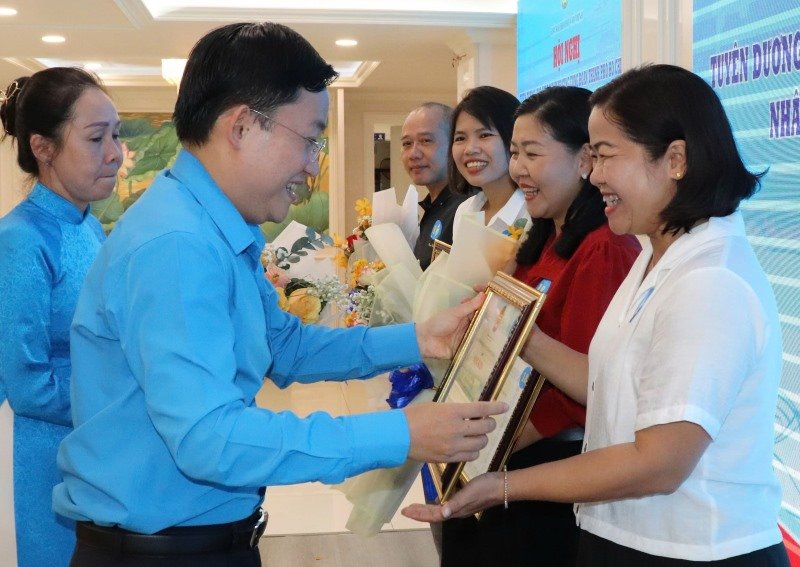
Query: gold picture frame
[(438, 247), (487, 366)]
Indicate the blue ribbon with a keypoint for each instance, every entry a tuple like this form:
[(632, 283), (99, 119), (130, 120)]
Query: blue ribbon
[(406, 384)]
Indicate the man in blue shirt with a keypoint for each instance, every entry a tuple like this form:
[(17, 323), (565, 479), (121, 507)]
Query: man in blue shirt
[(176, 328)]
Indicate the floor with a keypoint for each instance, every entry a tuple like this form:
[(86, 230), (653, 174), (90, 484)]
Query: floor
[(307, 521)]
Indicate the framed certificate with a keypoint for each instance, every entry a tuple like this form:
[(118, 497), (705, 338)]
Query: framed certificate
[(438, 247), (487, 366)]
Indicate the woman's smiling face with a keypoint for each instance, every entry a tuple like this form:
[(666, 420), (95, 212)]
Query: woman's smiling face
[(547, 171), (479, 152), (635, 188)]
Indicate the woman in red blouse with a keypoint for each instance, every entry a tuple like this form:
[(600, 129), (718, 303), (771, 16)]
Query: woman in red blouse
[(571, 245)]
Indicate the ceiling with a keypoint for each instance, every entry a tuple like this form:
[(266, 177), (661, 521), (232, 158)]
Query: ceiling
[(414, 42)]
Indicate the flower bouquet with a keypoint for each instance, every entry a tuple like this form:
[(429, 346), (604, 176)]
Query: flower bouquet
[(405, 293), (304, 279)]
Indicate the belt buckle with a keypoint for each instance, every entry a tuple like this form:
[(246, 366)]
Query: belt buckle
[(258, 529)]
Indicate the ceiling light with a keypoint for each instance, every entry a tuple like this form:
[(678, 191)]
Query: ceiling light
[(53, 38), (172, 70), (93, 65), (346, 42), (8, 12)]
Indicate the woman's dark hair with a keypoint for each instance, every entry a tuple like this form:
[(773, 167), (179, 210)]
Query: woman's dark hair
[(492, 107), (564, 113), (261, 65), (655, 105), (42, 104)]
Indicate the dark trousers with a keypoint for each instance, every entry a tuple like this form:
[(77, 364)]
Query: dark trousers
[(528, 533), (232, 544), (595, 551), (87, 556)]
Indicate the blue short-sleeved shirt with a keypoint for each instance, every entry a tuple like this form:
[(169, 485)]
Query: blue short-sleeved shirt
[(173, 334)]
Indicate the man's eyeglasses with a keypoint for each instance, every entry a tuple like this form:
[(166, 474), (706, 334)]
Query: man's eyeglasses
[(315, 146)]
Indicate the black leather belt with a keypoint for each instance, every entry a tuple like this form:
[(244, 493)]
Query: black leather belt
[(190, 540)]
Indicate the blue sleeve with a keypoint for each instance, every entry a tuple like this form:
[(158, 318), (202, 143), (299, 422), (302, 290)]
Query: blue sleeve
[(33, 386), (179, 338)]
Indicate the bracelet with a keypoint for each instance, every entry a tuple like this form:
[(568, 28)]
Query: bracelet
[(505, 487)]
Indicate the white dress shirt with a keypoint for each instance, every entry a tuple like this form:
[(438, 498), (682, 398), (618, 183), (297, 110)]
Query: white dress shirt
[(697, 340)]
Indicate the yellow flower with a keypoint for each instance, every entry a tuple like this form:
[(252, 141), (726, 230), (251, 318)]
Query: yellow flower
[(363, 207), (283, 303), (338, 241), (377, 265), (304, 304), (341, 259), (515, 232), (358, 268), (350, 320)]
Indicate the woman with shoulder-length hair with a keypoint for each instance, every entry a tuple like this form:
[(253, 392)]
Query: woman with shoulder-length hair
[(66, 131), (681, 378), (569, 244)]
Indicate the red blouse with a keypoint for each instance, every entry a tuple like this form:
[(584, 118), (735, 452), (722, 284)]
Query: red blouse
[(581, 289)]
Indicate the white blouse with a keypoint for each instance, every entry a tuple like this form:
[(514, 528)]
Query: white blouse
[(698, 340), (513, 209)]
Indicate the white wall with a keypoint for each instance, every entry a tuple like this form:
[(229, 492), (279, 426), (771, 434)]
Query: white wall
[(14, 184), (362, 112)]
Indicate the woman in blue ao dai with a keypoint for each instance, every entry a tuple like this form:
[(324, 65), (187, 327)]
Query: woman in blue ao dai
[(66, 131)]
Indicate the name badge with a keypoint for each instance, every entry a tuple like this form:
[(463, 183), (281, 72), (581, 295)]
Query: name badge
[(437, 230)]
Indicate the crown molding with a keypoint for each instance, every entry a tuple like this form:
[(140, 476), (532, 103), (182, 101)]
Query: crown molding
[(29, 64), (394, 96), (364, 70), (367, 17), (135, 81), (136, 12)]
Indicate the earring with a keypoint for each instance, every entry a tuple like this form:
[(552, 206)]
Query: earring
[(584, 176), (678, 175)]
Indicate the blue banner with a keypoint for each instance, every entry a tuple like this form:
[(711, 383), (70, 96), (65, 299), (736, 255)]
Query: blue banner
[(749, 52), (567, 42)]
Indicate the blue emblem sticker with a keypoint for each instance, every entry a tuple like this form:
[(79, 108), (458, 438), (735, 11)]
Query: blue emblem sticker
[(523, 377), (437, 230)]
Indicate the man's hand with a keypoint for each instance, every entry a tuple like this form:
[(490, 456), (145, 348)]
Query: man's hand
[(480, 493), (439, 336), (450, 433)]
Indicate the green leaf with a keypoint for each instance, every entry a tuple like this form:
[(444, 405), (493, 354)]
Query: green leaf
[(132, 198), (300, 243), (314, 213), (158, 153), (109, 209), (139, 142), (135, 127), (295, 284)]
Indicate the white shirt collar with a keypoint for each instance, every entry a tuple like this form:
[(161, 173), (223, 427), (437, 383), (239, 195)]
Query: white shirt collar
[(506, 216)]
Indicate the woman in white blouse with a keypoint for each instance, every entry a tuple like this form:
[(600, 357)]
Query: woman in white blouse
[(682, 375), (480, 147)]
